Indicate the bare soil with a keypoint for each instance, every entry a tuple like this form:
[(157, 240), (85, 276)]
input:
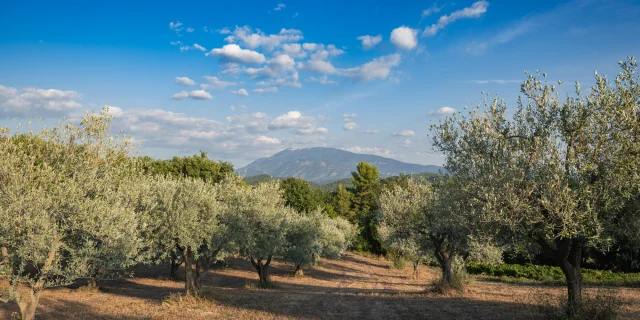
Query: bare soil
[(354, 287)]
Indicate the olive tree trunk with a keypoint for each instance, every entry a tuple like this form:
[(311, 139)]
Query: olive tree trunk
[(263, 270), (299, 272), (568, 255), (28, 299), (191, 284), (416, 271), (444, 257)]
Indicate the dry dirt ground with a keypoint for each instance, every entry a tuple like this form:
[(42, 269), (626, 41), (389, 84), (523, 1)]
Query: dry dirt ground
[(355, 287)]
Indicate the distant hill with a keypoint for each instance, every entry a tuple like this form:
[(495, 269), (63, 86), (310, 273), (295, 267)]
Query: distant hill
[(348, 182), (325, 165), (258, 179)]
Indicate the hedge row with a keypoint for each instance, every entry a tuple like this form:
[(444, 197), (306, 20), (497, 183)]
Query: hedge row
[(552, 274)]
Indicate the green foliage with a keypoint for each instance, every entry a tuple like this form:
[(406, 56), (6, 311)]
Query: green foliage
[(196, 166), (367, 191), (67, 205), (299, 195), (552, 274), (550, 173), (253, 180)]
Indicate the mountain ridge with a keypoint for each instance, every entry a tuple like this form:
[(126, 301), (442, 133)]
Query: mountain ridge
[(324, 165)]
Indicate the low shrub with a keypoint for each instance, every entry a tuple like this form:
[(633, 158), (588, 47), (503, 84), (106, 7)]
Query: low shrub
[(601, 305), (552, 274)]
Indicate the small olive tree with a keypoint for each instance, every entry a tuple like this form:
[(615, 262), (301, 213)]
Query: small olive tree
[(315, 235), (182, 213), (551, 173), (258, 219), (428, 218), (67, 206)]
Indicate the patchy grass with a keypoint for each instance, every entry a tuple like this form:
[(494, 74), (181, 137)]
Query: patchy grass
[(354, 287)]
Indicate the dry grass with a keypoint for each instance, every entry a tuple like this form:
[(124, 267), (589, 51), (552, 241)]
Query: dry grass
[(356, 287)]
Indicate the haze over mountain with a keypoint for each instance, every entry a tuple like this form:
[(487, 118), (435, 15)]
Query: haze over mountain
[(324, 165)]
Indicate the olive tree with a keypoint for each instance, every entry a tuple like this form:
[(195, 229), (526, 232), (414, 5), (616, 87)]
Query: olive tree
[(67, 206), (182, 213), (551, 172), (258, 219), (314, 235), (428, 218), (400, 219)]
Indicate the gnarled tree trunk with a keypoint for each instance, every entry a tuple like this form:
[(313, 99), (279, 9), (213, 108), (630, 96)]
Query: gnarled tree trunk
[(263, 270), (416, 271), (568, 255), (28, 299), (444, 258), (299, 272), (191, 284)]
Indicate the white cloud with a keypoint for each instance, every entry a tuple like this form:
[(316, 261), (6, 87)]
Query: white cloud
[(232, 69), (299, 123), (200, 95), (322, 80), (375, 151), (185, 81), (505, 36), (176, 26), (189, 29), (275, 66), (369, 42), (265, 90), (294, 50), (241, 92), (406, 143), (442, 112), (404, 133), (379, 68), (404, 38), (349, 116), (242, 107), (256, 39), (224, 30), (267, 140), (349, 126), (37, 102), (319, 66), (216, 83), (434, 9), (372, 131), (476, 10), (195, 46), (310, 46), (279, 7), (175, 43), (233, 53), (180, 95)]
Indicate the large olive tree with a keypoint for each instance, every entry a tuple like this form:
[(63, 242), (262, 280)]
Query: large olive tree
[(552, 172), (67, 207), (258, 220), (182, 213)]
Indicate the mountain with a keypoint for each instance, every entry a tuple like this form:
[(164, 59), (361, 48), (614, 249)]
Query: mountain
[(324, 165)]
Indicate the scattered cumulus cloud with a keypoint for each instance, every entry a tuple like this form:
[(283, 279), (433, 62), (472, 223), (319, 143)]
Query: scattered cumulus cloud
[(240, 92), (350, 126), (233, 53), (404, 38), (349, 116), (253, 39), (406, 143), (433, 9), (322, 80), (366, 150), (279, 7), (30, 101), (372, 131), (185, 81), (217, 83), (404, 133), (265, 90), (195, 46), (200, 95), (190, 29), (176, 26), (442, 112), (369, 42), (476, 10), (297, 122)]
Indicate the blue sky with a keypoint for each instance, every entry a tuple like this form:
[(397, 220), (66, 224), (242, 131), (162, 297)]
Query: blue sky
[(243, 80)]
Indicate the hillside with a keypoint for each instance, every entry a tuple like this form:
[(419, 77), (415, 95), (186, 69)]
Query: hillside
[(348, 182), (325, 165)]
